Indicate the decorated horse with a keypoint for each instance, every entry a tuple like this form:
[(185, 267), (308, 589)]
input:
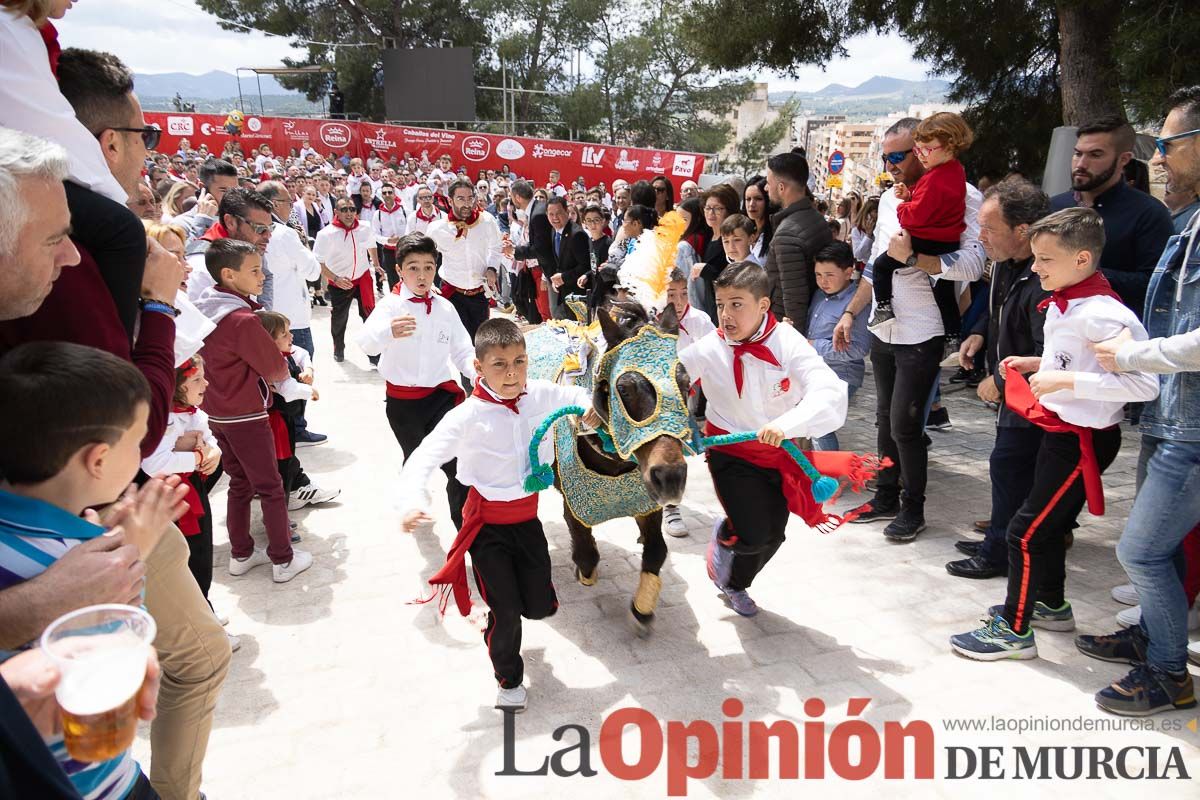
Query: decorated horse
[(634, 464)]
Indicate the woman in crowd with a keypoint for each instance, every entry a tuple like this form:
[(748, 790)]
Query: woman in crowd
[(757, 207), (664, 195), (310, 212), (717, 203), (173, 202), (845, 219), (691, 247), (862, 234)]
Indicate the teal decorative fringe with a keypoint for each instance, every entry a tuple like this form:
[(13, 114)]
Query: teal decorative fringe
[(823, 486), (542, 475)]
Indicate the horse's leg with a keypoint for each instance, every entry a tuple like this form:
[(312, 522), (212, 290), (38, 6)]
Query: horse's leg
[(583, 544), (654, 553)]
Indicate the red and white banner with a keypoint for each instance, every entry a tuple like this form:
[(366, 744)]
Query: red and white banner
[(528, 157)]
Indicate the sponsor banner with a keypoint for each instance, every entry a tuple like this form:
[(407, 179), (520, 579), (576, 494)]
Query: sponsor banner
[(529, 157)]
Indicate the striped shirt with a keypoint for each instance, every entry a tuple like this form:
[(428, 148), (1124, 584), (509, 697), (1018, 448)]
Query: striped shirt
[(33, 535)]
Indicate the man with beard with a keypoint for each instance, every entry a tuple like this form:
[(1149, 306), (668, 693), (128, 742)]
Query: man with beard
[(470, 244), (1136, 225)]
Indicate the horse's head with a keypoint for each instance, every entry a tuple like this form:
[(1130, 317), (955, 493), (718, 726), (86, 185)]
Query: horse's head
[(641, 389)]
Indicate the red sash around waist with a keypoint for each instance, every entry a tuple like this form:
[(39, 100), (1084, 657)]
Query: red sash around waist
[(449, 290), (477, 512), (1019, 397), (189, 523), (421, 392)]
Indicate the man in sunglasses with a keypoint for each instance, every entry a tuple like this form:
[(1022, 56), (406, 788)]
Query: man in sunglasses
[(1136, 225), (245, 215), (346, 250), (391, 222)]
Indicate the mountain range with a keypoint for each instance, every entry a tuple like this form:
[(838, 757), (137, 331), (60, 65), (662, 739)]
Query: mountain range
[(872, 98), (215, 85)]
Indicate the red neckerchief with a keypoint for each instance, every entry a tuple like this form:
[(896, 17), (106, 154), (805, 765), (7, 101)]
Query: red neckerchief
[(421, 214), (463, 224), (686, 308), (53, 48), (217, 231), (427, 299), (178, 409), (392, 210), (337, 223), (1092, 286), (486, 396), (756, 346)]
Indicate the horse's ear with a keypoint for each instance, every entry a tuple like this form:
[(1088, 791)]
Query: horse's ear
[(668, 321), (609, 326)]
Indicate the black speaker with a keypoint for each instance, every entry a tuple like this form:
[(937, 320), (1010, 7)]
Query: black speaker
[(429, 84)]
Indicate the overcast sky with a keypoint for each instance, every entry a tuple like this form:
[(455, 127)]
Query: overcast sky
[(176, 36)]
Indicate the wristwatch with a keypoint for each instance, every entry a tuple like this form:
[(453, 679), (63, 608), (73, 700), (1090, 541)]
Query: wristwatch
[(911, 261)]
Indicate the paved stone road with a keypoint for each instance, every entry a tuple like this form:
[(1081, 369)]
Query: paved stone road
[(342, 690)]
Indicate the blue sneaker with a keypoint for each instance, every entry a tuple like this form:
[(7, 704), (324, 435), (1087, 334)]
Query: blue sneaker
[(1045, 617), (994, 641), (1147, 690), (740, 601), (310, 439), (719, 558)]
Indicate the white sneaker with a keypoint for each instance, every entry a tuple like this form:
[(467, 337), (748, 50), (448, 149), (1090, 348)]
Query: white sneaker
[(310, 495), (240, 566), (673, 522), (1194, 653), (221, 618), (301, 560), (512, 699), (235, 643), (1129, 617), (1125, 594)]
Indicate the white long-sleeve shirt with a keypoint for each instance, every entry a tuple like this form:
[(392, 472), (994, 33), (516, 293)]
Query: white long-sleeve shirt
[(694, 326), (165, 460), (30, 101), (802, 396), (345, 252), (291, 265), (418, 225), (917, 316), (291, 389), (437, 350), (1099, 397), (465, 258), (490, 442), (389, 223)]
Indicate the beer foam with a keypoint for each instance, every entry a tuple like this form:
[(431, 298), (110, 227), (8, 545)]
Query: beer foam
[(103, 680)]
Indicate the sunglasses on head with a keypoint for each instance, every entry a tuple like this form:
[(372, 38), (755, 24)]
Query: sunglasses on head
[(896, 157)]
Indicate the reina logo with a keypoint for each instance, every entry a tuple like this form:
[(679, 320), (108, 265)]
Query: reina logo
[(335, 134), (180, 126), (476, 148), (592, 156)]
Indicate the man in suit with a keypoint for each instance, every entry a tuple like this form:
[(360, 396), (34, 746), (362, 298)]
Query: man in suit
[(528, 282), (558, 263)]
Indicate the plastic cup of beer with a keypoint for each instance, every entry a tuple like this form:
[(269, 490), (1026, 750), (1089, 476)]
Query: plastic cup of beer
[(101, 654)]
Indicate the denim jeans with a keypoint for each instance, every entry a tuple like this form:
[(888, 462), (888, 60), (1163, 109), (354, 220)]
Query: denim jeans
[(1166, 508), (830, 441), (302, 338)]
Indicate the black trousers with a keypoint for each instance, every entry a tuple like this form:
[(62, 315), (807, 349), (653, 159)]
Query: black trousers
[(1037, 564), (387, 256), (200, 546), (411, 421), (512, 570), (472, 310), (340, 300), (756, 513), (904, 377), (1010, 469)]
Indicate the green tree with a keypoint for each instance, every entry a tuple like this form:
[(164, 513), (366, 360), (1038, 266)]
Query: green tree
[(763, 141)]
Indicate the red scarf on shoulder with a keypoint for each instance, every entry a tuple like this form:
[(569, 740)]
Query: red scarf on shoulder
[(1091, 286)]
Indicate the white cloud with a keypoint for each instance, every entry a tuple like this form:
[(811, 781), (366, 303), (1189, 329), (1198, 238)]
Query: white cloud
[(170, 36), (866, 56)]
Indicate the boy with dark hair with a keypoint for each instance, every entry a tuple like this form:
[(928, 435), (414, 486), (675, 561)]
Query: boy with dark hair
[(1080, 406), (834, 274), (243, 361), (765, 377), (489, 435), (417, 334), (92, 409)]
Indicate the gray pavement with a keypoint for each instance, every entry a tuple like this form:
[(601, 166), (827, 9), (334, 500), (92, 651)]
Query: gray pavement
[(344, 690)]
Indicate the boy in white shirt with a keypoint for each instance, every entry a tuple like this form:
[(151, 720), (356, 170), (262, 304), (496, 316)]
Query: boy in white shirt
[(1080, 406), (758, 376), (489, 434), (417, 336)]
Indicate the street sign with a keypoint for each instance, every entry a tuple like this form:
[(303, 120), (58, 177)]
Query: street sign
[(833, 182), (837, 162)]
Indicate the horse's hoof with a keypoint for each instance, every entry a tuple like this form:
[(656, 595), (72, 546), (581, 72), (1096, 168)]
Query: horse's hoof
[(587, 580), (645, 599), (643, 624)]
